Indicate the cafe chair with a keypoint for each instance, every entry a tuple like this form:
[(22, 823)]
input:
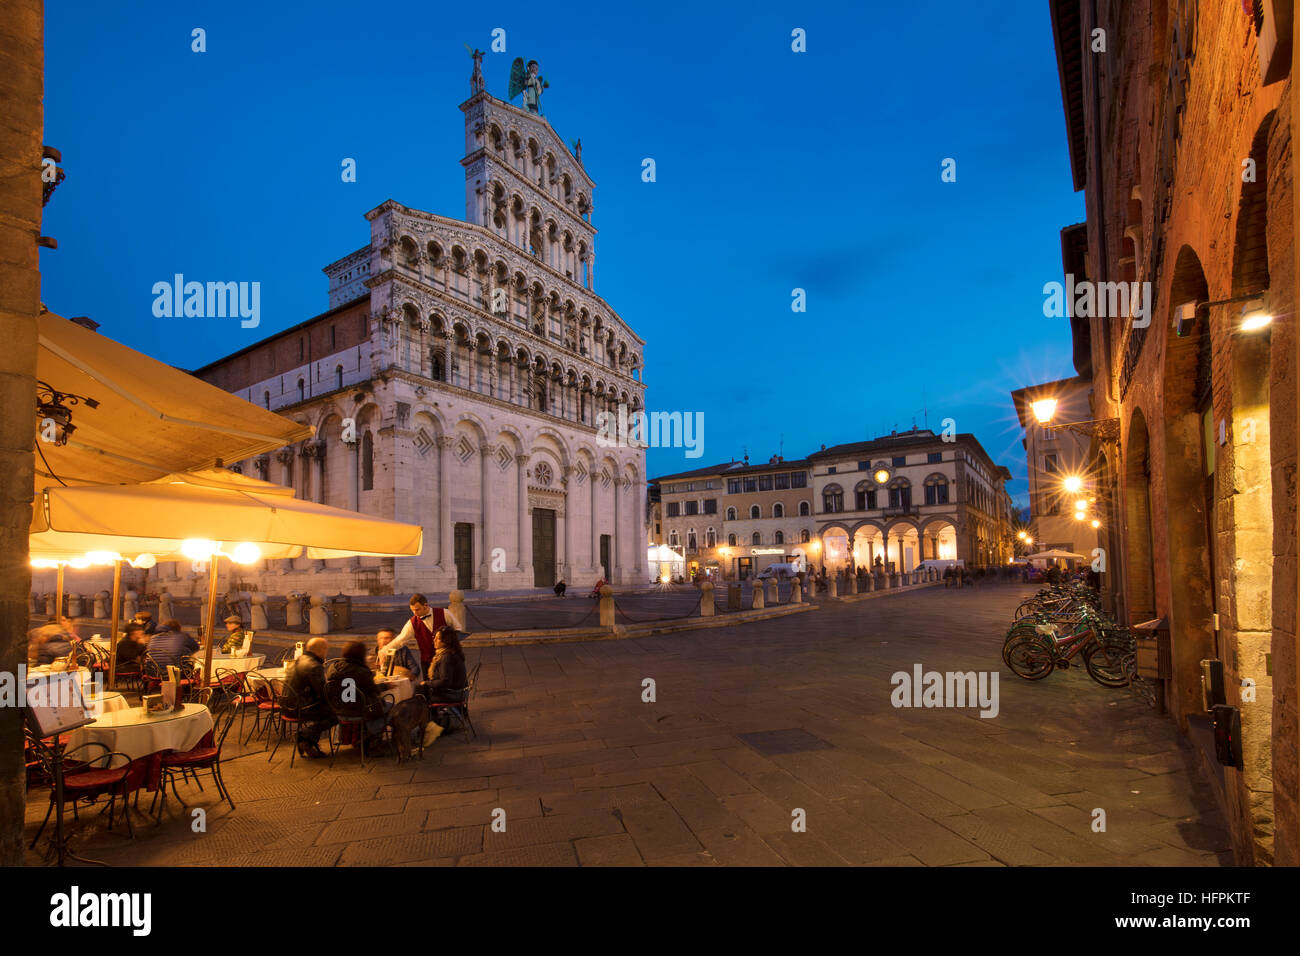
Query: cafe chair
[(460, 708), (226, 686), (205, 756), (288, 719), (354, 714), (130, 676), (84, 780), (262, 698)]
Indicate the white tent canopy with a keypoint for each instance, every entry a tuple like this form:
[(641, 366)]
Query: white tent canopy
[(664, 560)]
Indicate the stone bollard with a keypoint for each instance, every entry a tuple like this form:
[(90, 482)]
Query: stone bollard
[(607, 603), (38, 602), (772, 596), (456, 608), (851, 584), (101, 605), (706, 599), (166, 607), (257, 612), (318, 619), (868, 582), (758, 602), (796, 592), (293, 609), (237, 602), (49, 605), (130, 605), (74, 605), (832, 586)]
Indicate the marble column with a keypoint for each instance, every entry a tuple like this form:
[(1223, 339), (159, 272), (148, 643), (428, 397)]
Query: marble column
[(446, 557), (525, 558), (569, 564), (487, 452), (354, 475), (594, 480), (637, 497), (615, 546)]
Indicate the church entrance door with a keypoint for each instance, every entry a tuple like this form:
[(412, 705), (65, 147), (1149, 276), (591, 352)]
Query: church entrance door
[(543, 547), (464, 551)]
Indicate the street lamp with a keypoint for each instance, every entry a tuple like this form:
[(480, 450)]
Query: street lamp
[(1107, 429), (1073, 484)]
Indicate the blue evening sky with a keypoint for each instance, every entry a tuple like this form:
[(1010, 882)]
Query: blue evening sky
[(775, 170)]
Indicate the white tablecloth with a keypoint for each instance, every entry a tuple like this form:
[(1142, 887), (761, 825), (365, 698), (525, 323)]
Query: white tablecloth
[(132, 733), (241, 665), (110, 702)]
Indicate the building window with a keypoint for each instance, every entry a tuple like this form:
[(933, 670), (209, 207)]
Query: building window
[(692, 507), (756, 538), (338, 374), (798, 479), (804, 509), (367, 462), (710, 539), (934, 457), (266, 399), (782, 481), (754, 511), (779, 538), (332, 339), (710, 506), (731, 514), (751, 484), (830, 470), (733, 486), (833, 498), (936, 490), (302, 349), (900, 461), (672, 539), (864, 497), (803, 537), (778, 510), (1049, 464), (690, 541), (900, 494), (674, 509), (765, 483), (864, 466), (731, 540)]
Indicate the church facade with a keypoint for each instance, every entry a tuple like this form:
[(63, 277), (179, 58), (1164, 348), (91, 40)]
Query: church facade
[(456, 380)]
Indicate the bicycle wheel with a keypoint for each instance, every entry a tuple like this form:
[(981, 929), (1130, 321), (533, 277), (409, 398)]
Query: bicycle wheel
[(1018, 632), (1108, 667), (1031, 658)]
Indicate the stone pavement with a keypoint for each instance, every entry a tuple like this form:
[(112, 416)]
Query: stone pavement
[(749, 724)]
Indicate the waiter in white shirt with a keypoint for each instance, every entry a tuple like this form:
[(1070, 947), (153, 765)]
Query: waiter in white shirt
[(419, 630)]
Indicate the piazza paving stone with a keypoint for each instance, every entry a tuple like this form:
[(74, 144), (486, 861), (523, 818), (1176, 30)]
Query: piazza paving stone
[(751, 723)]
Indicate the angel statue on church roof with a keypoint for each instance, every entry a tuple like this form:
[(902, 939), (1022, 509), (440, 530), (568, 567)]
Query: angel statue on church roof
[(527, 80)]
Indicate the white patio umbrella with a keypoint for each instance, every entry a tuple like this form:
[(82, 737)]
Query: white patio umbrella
[(205, 516)]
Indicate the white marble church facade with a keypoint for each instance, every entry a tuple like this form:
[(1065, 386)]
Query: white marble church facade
[(455, 383)]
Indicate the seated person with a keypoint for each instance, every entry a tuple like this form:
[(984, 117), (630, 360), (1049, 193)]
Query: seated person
[(447, 677), (48, 643), (350, 684), (131, 648), (600, 583), (146, 619), (406, 660), (304, 680), (560, 588), (171, 646), (235, 634)]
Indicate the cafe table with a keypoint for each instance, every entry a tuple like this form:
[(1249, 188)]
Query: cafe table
[(135, 734), (109, 702), (240, 665)]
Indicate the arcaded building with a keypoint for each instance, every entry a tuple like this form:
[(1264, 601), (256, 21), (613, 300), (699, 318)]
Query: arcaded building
[(1180, 134), (455, 380)]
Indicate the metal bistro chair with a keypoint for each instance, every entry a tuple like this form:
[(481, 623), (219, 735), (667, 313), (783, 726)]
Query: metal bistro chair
[(355, 714), (205, 756), (460, 708), (85, 781), (262, 698), (288, 717)]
